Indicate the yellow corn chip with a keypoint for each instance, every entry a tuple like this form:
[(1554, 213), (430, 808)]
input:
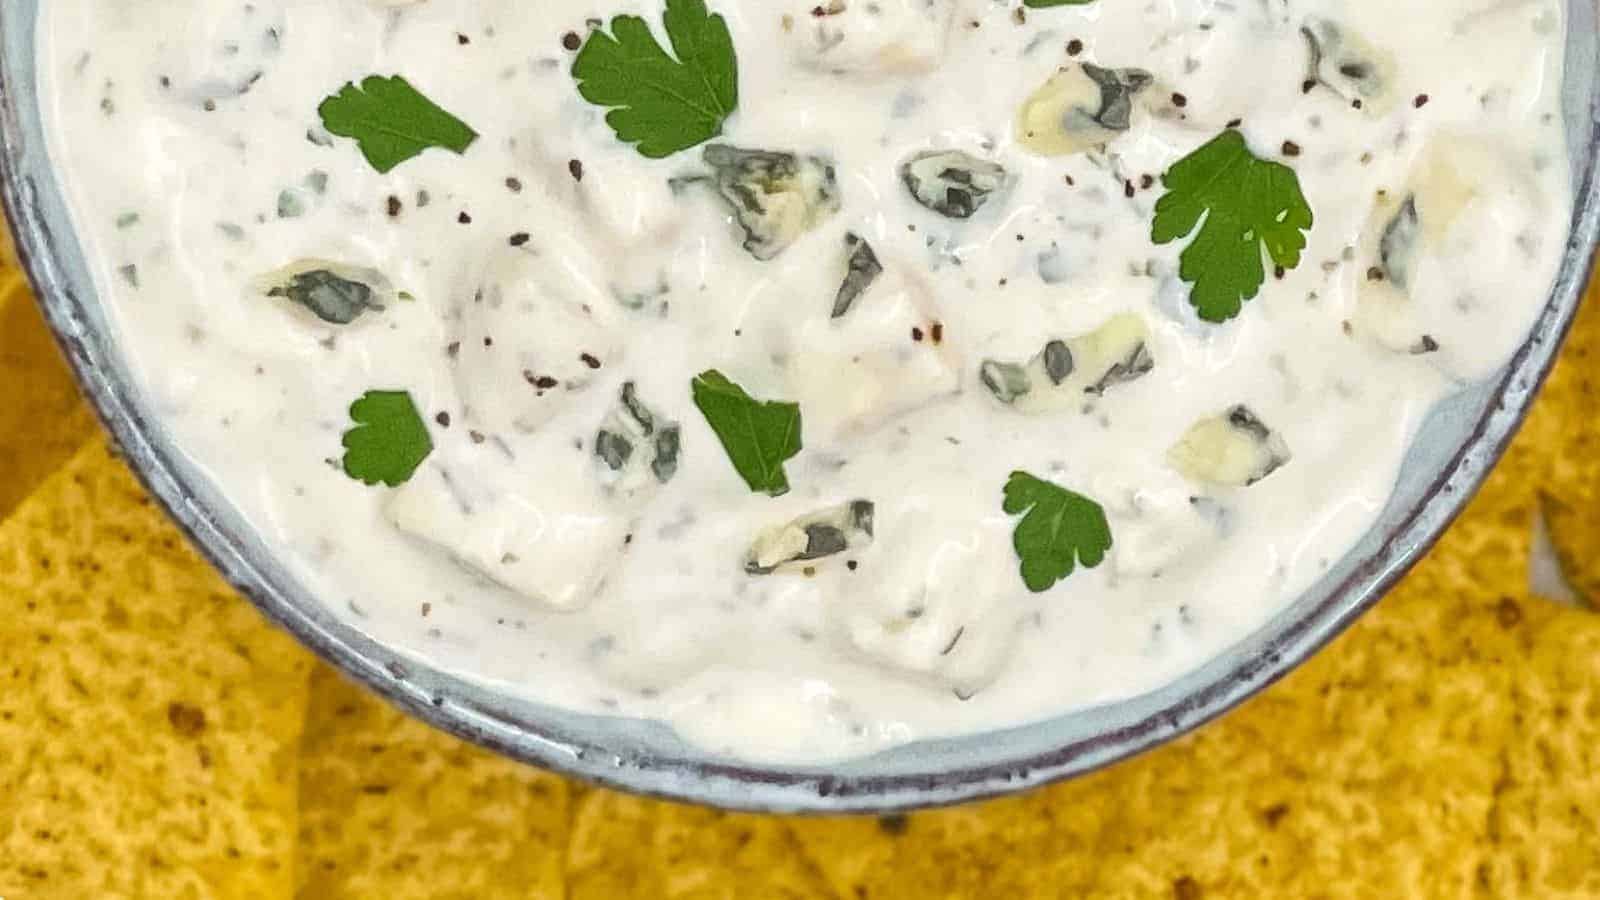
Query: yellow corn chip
[(8, 252), (392, 809), (637, 849), (1545, 812), (1575, 534), (43, 421), (149, 718), (1490, 543), (1563, 417), (1374, 771), (1565, 426)]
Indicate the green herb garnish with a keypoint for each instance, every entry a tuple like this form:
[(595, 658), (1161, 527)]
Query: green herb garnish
[(1247, 203), (1058, 530), (757, 435), (658, 103), (392, 122), (388, 440), (1046, 4)]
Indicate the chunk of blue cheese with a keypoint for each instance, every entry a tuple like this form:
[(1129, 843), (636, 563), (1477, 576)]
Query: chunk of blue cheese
[(556, 538), (1439, 255), (854, 372), (1071, 373), (1233, 448), (1162, 523), (809, 539), (934, 599), (868, 37), (1080, 107), (336, 293), (1346, 63), (551, 539), (531, 335), (775, 196)]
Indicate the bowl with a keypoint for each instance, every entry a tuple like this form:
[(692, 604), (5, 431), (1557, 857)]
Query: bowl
[(1459, 441)]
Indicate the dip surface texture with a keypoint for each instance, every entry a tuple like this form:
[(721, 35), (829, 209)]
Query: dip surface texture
[(869, 396)]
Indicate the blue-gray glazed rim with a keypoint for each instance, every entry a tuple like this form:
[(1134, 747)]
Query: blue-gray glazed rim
[(1458, 444)]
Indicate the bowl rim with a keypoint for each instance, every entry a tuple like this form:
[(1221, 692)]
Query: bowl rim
[(735, 785)]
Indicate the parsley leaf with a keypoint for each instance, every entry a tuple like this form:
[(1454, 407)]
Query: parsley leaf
[(392, 122), (1059, 529), (658, 103), (758, 436), (388, 441), (1247, 202), (1045, 4)]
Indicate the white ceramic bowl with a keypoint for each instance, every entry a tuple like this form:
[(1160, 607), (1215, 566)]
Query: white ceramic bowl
[(1458, 443)]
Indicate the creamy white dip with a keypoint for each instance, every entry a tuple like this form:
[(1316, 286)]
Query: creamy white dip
[(525, 281)]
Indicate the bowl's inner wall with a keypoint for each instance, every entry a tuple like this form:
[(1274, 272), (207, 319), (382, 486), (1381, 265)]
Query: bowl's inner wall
[(1459, 441)]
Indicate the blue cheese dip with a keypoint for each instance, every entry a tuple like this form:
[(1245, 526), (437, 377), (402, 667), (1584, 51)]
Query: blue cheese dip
[(853, 404)]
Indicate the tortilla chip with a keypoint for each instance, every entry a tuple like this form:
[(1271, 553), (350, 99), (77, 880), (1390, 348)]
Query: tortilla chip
[(1373, 771), (8, 251), (1564, 425), (1545, 813), (629, 847), (1492, 540), (1564, 416), (149, 717), (1575, 535), (43, 421), (392, 809)]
